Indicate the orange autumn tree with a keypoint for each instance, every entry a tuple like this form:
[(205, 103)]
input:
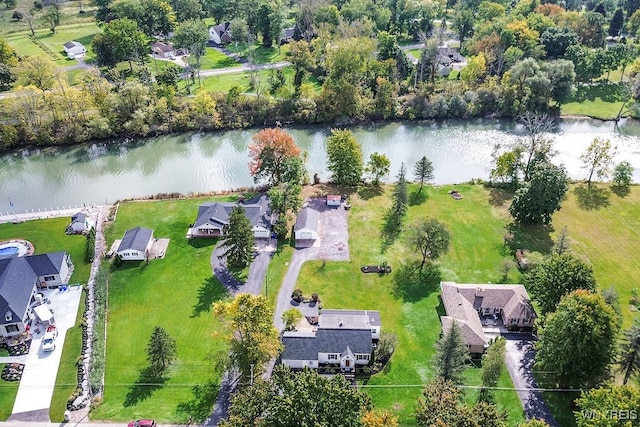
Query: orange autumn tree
[(269, 151)]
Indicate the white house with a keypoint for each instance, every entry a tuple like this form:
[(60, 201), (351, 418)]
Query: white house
[(221, 33), (306, 227), (213, 218), (80, 223), (19, 281), (136, 244), (74, 49)]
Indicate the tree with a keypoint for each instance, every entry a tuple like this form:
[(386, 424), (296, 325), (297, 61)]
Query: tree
[(562, 75), (290, 318), (562, 244), (451, 355), (439, 403), (51, 17), (239, 240), (555, 276), (536, 144), (585, 326), (492, 366), (622, 175), (556, 40), (609, 405), (39, 71), (252, 337), (122, 40), (186, 10), (378, 166), (379, 418), (423, 171), (193, 36), (616, 23), (537, 200), (344, 155), (287, 398), (399, 205), (629, 352), (8, 60), (430, 237), (169, 75), (268, 151), (507, 167), (161, 350), (284, 198), (598, 158), (302, 61), (29, 15)]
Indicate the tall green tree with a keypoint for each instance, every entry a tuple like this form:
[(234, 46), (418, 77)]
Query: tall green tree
[(253, 339), (399, 202), (555, 276), (303, 398), (598, 158), (451, 355), (378, 166), (629, 352), (423, 171), (429, 237), (161, 350), (562, 244), (609, 405), (537, 200), (239, 240), (344, 155), (192, 35), (585, 327), (622, 175), (121, 40), (439, 403), (492, 367), (616, 23), (301, 60)]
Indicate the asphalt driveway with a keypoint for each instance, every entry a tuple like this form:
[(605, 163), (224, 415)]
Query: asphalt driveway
[(519, 358)]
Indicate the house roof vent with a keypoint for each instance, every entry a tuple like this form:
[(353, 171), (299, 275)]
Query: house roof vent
[(8, 316)]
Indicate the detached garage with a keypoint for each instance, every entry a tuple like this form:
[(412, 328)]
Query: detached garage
[(306, 228)]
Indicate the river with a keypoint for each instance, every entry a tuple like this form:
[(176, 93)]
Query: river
[(203, 162)]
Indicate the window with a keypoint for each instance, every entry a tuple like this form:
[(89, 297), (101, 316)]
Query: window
[(514, 320), (362, 357), (333, 357), (49, 278), (487, 310), (11, 328)]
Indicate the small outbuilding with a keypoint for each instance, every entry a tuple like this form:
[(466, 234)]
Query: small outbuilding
[(163, 50), (136, 244), (74, 49), (333, 200), (80, 223), (306, 227)]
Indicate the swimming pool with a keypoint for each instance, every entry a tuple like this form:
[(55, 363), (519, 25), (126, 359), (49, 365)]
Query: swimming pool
[(14, 248), (9, 252)]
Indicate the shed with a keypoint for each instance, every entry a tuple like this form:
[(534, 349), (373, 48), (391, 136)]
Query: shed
[(306, 227), (44, 314), (163, 50), (135, 244), (74, 49), (333, 200)]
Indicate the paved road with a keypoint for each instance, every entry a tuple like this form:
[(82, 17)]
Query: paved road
[(519, 357)]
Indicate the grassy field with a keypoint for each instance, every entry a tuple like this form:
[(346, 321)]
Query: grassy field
[(411, 312), (601, 102), (213, 59), (48, 236), (177, 293)]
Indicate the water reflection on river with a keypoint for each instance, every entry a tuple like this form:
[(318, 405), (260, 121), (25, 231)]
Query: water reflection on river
[(95, 173)]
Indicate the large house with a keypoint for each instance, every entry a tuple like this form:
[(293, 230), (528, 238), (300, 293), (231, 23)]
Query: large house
[(213, 218), (20, 279), (74, 49), (468, 304), (221, 33), (342, 339), (136, 244)]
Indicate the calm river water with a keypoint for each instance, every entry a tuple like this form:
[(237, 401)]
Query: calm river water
[(196, 162)]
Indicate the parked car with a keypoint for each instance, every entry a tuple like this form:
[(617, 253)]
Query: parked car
[(49, 338), (142, 423)]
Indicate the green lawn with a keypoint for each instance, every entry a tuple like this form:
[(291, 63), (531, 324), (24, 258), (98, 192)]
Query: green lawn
[(412, 313), (48, 236), (213, 59), (601, 102), (176, 293)]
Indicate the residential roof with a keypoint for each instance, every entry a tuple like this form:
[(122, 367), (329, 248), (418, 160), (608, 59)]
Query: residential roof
[(307, 218), (223, 30), (46, 264), (136, 238), (256, 211), (163, 47), (513, 299), (349, 319), (79, 217), (459, 308), (17, 280), (72, 44), (306, 346)]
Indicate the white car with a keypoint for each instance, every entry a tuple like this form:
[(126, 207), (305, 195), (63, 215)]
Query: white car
[(49, 339)]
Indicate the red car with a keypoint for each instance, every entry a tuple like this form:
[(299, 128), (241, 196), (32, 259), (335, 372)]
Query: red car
[(142, 423)]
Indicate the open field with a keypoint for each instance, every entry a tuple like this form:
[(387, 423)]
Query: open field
[(177, 293), (48, 236)]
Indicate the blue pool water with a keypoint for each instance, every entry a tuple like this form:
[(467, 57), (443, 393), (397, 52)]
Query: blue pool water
[(8, 252)]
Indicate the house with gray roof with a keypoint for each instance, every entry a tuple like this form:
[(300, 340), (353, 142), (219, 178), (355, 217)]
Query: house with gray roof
[(306, 227), (20, 279), (74, 49), (80, 223), (342, 338), (213, 218), (468, 304), (136, 244)]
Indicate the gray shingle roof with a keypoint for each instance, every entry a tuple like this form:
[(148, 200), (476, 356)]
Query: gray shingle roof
[(136, 238), (46, 264), (217, 213), (352, 319), (307, 347), (79, 217), (307, 218), (17, 280)]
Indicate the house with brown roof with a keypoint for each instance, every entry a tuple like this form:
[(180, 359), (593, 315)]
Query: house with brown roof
[(468, 304)]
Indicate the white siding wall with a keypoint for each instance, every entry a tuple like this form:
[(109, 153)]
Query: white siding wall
[(300, 364), (375, 332), (261, 233), (306, 234), (131, 255)]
